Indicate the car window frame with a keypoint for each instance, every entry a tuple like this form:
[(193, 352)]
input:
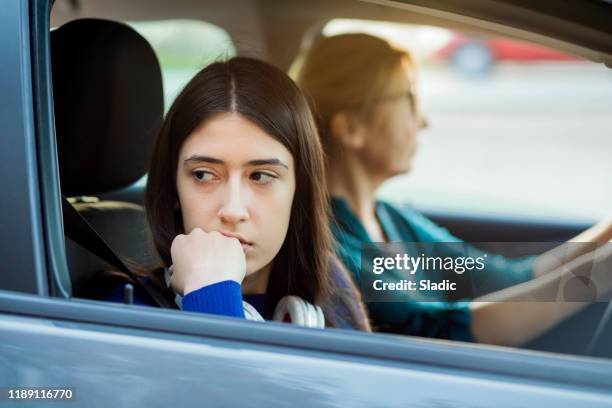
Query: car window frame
[(56, 303), (23, 252)]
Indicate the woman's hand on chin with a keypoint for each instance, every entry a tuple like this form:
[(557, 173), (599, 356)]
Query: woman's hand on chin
[(205, 258)]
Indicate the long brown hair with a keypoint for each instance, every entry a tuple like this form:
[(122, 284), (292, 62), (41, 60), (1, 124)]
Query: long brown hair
[(267, 97)]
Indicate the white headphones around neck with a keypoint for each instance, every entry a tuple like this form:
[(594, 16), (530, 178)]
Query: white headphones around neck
[(299, 312), (292, 308)]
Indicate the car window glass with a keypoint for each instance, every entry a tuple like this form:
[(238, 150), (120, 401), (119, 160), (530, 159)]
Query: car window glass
[(183, 47), (515, 128)]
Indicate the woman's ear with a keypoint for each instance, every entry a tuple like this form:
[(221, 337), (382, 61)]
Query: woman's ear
[(348, 130)]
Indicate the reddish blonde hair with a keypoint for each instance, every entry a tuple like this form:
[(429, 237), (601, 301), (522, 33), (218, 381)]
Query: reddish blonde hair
[(350, 73)]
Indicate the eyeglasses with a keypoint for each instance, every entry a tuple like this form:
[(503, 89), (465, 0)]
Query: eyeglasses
[(411, 97)]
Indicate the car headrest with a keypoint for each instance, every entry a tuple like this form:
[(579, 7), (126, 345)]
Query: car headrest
[(108, 100)]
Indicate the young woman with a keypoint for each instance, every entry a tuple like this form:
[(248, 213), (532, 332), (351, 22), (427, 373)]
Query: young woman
[(236, 202), (363, 92)]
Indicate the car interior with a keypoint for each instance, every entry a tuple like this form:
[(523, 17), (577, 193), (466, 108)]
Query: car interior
[(119, 116), (109, 102)]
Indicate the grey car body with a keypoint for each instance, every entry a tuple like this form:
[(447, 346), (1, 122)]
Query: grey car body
[(124, 355)]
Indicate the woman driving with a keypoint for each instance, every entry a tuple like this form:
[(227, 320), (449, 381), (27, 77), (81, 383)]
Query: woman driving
[(363, 93)]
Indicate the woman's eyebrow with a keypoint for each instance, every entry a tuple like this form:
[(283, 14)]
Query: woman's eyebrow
[(259, 162), (199, 158), (271, 162)]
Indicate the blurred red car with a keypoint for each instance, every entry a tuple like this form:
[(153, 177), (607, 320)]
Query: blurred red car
[(473, 56)]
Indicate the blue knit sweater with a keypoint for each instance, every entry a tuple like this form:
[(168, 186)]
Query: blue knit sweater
[(225, 298), (222, 298)]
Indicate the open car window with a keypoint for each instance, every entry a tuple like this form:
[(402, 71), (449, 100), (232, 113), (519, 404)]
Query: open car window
[(515, 129)]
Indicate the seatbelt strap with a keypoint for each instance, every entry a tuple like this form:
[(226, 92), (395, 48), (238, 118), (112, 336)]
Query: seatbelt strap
[(80, 231)]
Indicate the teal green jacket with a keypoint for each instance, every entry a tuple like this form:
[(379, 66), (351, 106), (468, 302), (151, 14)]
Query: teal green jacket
[(436, 317)]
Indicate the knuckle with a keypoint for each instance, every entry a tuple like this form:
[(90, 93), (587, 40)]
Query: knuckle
[(177, 240), (216, 236)]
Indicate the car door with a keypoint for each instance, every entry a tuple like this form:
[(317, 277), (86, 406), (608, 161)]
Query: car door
[(125, 355)]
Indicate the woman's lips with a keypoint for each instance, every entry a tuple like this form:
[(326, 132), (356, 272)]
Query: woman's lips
[(246, 245)]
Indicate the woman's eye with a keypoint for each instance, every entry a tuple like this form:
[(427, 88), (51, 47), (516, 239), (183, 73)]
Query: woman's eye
[(203, 176), (262, 178)]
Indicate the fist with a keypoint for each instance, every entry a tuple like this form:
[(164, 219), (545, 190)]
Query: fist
[(203, 258)]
